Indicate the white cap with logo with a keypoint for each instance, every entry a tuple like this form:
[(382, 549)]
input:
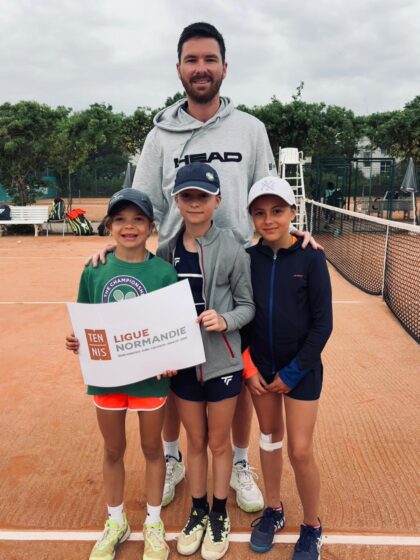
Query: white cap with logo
[(274, 186)]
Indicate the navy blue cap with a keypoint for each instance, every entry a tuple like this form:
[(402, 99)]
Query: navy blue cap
[(140, 199), (200, 176)]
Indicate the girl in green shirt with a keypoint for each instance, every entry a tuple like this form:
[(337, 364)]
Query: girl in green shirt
[(129, 272)]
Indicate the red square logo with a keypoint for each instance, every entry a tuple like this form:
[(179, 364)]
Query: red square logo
[(98, 344)]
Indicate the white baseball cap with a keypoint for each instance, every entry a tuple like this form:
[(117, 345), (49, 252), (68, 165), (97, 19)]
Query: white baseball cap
[(274, 186)]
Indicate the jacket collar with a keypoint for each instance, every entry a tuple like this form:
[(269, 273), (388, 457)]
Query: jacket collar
[(207, 239), (264, 250)]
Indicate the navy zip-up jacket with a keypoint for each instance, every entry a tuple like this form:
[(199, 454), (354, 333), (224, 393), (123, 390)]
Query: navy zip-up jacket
[(293, 318)]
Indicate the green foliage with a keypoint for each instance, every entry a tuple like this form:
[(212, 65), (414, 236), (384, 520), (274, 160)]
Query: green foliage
[(396, 132), (297, 96), (83, 138), (26, 129), (135, 129), (88, 150), (137, 126), (314, 128), (177, 97)]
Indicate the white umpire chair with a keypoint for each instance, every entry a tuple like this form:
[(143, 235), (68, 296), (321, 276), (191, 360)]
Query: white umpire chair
[(291, 169)]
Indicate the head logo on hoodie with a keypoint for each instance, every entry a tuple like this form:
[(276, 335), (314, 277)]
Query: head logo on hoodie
[(213, 156)]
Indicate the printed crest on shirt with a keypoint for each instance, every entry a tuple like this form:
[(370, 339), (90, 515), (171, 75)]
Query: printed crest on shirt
[(122, 287)]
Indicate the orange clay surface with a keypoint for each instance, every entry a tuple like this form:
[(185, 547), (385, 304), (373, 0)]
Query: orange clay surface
[(51, 450)]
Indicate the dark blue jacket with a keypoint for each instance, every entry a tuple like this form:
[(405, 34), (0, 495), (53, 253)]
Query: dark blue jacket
[(293, 319)]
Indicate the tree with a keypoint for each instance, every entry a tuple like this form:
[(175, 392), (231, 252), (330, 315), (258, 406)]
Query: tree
[(177, 97), (83, 137), (397, 132), (27, 130), (135, 129), (314, 128)]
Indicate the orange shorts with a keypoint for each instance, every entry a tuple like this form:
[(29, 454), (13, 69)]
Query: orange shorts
[(127, 402)]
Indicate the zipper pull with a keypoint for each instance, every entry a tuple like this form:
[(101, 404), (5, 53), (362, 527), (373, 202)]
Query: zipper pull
[(275, 257)]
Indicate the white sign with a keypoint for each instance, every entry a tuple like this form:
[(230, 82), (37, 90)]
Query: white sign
[(132, 340)]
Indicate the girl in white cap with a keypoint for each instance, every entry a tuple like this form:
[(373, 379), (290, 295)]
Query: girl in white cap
[(292, 324)]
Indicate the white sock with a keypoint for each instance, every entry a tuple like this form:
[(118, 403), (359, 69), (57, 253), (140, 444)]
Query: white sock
[(153, 514), (171, 448), (115, 513), (240, 454)]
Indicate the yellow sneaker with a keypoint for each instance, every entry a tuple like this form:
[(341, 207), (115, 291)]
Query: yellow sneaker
[(155, 546), (191, 536), (113, 535), (216, 539)]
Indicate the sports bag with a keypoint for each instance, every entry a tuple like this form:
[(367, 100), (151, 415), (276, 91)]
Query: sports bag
[(78, 223), (102, 229), (5, 212), (57, 212)]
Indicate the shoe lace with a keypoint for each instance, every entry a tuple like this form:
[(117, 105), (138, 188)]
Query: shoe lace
[(309, 537), (196, 518), (217, 526), (170, 465), (155, 536), (246, 474), (268, 520), (109, 535)]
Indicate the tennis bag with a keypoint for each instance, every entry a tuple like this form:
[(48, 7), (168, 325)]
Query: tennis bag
[(102, 229), (5, 212), (57, 210), (78, 223)]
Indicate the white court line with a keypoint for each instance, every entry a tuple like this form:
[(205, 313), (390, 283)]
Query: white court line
[(65, 302), (27, 257), (33, 302), (354, 539)]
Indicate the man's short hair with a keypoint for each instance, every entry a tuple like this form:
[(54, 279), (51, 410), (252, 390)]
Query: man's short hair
[(201, 30)]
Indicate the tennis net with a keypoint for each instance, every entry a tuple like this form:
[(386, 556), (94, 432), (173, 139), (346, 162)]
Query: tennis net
[(381, 257)]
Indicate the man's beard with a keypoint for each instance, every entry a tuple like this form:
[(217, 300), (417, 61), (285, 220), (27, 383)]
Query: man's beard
[(205, 97)]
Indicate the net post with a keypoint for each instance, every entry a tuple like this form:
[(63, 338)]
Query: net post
[(311, 217)]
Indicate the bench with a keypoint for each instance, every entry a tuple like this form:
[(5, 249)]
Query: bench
[(397, 205), (24, 215)]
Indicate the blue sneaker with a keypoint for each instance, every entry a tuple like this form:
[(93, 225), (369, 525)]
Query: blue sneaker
[(308, 546), (264, 527)]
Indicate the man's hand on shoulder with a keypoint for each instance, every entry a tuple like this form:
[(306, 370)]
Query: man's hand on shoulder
[(307, 238), (100, 256)]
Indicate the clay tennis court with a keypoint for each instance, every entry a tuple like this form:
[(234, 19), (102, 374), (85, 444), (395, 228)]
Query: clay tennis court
[(51, 499)]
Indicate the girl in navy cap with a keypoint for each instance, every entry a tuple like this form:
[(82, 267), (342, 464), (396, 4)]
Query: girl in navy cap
[(217, 268)]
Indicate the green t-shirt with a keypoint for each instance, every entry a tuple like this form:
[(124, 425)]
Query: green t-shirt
[(118, 280)]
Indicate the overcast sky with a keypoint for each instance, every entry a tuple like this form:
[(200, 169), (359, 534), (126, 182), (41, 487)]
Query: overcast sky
[(360, 54)]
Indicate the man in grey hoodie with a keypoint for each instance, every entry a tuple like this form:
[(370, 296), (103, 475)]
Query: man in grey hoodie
[(211, 131), (206, 127)]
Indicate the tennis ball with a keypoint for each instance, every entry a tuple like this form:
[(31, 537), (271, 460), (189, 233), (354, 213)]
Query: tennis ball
[(18, 241)]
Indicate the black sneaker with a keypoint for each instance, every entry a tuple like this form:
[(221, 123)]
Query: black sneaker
[(308, 546), (264, 528)]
